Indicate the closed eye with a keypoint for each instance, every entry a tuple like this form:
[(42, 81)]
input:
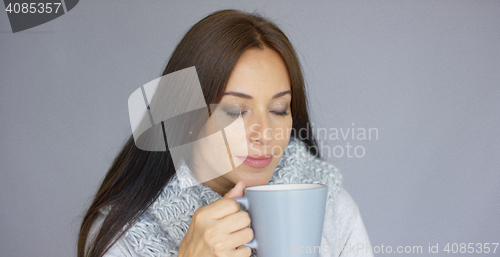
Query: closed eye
[(283, 113), (235, 114)]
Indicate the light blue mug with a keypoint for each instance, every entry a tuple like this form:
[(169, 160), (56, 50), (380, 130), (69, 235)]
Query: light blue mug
[(286, 218)]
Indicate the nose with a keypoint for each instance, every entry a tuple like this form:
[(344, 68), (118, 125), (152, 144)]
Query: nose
[(260, 130)]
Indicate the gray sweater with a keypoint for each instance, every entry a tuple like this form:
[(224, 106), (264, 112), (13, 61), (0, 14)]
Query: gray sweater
[(160, 230)]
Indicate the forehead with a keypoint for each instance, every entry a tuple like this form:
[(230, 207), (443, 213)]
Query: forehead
[(259, 72)]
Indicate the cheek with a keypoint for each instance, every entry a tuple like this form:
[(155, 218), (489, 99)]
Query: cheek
[(212, 152), (282, 136), (287, 126), (236, 137)]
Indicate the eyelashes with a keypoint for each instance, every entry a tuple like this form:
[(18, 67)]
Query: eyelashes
[(236, 114), (283, 113)]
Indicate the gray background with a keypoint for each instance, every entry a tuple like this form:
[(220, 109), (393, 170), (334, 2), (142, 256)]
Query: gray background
[(424, 73)]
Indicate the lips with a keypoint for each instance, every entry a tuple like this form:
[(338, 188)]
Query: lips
[(257, 161)]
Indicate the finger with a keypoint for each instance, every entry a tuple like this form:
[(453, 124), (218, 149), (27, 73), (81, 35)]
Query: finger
[(237, 190), (226, 205), (234, 222), (221, 208), (241, 237), (243, 251)]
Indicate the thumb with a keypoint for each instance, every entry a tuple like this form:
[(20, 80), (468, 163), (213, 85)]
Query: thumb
[(237, 190)]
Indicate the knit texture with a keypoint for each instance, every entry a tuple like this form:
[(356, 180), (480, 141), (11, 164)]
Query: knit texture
[(160, 230)]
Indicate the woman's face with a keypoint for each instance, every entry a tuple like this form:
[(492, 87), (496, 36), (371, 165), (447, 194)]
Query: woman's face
[(259, 88)]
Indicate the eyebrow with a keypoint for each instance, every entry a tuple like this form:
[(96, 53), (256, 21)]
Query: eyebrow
[(238, 94)]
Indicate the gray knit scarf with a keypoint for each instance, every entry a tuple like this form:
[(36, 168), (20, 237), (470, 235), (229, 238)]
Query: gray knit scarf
[(160, 230)]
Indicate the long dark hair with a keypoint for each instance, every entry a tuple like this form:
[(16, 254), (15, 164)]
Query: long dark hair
[(213, 46)]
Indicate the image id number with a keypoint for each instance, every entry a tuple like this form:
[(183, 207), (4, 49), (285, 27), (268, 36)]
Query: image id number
[(33, 7), (471, 248)]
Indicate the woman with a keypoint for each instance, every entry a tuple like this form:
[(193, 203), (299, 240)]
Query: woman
[(142, 207)]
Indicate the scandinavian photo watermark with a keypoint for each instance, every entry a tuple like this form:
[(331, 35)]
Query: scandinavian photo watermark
[(352, 136), (170, 114)]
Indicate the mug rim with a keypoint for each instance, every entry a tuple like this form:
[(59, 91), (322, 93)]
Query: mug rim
[(284, 187)]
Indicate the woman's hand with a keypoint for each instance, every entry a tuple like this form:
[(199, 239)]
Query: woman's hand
[(219, 229)]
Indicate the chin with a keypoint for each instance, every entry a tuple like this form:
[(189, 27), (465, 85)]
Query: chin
[(252, 178), (256, 183)]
